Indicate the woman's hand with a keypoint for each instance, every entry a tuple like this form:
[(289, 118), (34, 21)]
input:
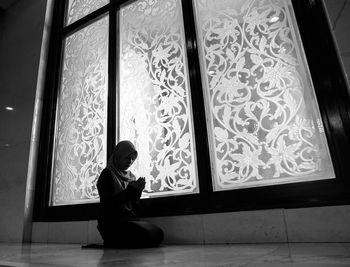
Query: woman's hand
[(139, 184)]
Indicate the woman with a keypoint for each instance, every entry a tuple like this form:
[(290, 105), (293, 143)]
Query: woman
[(119, 190)]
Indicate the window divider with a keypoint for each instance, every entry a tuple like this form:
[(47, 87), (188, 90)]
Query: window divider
[(199, 117), (86, 20), (112, 114)]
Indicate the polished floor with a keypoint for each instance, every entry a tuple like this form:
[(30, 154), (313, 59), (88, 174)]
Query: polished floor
[(296, 254)]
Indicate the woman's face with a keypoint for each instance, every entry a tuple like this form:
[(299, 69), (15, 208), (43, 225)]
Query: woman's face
[(127, 161)]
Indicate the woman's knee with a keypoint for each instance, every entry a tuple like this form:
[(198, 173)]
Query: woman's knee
[(133, 234), (152, 234)]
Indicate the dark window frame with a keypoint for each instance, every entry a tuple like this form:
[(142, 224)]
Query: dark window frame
[(331, 93)]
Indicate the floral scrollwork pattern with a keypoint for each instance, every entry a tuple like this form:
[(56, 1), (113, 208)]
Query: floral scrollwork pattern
[(80, 138), (80, 8), (155, 110), (259, 95)]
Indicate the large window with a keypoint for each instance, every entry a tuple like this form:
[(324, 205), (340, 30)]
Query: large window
[(264, 123), (81, 122), (155, 100), (223, 100)]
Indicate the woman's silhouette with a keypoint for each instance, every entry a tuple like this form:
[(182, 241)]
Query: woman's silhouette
[(119, 191)]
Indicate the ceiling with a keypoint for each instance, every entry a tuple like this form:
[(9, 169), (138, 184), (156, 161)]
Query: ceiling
[(4, 4)]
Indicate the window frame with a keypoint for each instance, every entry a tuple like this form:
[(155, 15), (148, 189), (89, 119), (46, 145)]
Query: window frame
[(331, 94)]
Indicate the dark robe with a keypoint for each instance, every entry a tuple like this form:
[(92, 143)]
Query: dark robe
[(117, 222)]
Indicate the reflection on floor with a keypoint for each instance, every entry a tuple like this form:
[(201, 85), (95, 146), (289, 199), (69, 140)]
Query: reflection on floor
[(295, 254)]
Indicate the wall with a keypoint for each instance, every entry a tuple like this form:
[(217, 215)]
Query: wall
[(20, 42), (324, 224), (21, 29)]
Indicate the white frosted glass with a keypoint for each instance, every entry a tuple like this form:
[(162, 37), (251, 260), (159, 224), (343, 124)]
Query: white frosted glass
[(80, 8), (264, 124), (155, 111), (79, 153)]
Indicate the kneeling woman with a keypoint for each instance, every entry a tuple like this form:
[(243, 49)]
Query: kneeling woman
[(119, 190)]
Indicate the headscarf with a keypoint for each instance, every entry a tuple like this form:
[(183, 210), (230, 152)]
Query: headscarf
[(121, 150)]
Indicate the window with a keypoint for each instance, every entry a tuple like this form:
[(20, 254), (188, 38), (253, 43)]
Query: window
[(81, 122), (155, 101), (265, 126), (227, 103)]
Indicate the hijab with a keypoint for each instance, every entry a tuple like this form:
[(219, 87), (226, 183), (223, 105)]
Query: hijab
[(121, 150)]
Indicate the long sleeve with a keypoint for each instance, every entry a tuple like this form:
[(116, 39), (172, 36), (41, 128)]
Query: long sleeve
[(112, 191), (116, 198)]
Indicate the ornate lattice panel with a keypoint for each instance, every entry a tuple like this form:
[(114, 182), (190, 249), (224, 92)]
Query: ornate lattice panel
[(155, 110), (265, 125), (80, 137), (80, 8)]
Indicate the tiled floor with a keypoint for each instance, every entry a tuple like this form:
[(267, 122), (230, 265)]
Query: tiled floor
[(296, 254)]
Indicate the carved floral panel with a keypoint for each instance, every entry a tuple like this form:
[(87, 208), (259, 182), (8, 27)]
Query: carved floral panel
[(80, 137), (80, 8), (154, 106), (265, 125)]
